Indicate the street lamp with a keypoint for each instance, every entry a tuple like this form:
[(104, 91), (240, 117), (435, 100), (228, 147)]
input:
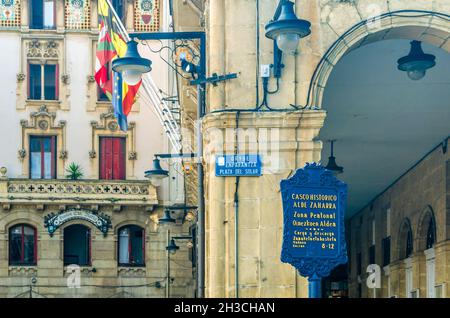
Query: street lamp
[(332, 166), (157, 174), (167, 218), (132, 65), (171, 249), (416, 62), (286, 29)]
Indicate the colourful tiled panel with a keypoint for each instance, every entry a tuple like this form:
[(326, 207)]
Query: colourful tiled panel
[(10, 13), (78, 14), (147, 15)]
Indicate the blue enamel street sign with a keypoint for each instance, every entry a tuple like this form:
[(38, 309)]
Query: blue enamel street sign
[(313, 208), (238, 165)]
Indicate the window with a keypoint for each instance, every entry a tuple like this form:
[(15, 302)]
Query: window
[(43, 82), (373, 232), (77, 245), (372, 254), (112, 158), (43, 157), (22, 245), (409, 244), (358, 264), (131, 246), (42, 14), (388, 222), (431, 234), (386, 251), (118, 7), (193, 251)]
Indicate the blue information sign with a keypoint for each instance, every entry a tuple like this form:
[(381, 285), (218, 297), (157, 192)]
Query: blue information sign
[(238, 165), (313, 208)]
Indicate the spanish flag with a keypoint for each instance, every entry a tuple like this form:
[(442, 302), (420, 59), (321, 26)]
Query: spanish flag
[(110, 46)]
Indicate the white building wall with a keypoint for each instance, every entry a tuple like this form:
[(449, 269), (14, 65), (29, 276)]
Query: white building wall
[(150, 137)]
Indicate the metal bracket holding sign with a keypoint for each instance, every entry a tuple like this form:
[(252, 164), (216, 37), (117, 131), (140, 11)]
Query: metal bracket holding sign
[(314, 235), (242, 165)]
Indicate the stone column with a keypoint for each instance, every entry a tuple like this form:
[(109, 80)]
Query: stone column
[(286, 142), (397, 279), (442, 259)]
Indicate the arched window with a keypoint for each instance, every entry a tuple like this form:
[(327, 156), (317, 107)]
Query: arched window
[(22, 245), (77, 245), (431, 234), (131, 246), (409, 244)]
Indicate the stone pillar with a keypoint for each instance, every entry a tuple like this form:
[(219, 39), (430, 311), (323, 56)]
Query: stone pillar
[(286, 142), (397, 279), (442, 259)]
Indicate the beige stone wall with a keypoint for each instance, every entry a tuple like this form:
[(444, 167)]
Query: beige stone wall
[(260, 271), (51, 274), (237, 44), (423, 189)]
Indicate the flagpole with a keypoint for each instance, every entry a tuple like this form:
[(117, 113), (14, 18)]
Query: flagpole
[(119, 22)]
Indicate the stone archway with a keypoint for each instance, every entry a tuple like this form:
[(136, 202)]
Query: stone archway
[(427, 26)]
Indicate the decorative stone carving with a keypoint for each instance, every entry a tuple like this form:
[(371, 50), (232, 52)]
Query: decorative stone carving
[(22, 271), (21, 77), (22, 153), (34, 49), (132, 155), (51, 50), (65, 79), (113, 126), (43, 121), (46, 49), (43, 124), (63, 154), (131, 271)]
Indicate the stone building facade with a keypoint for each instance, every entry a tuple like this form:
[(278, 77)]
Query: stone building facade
[(52, 115), (404, 231), (248, 212)]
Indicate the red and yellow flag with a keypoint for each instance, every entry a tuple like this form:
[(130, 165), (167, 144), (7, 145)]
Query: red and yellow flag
[(110, 46)]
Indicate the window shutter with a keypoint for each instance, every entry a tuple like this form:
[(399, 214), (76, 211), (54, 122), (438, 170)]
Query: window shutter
[(116, 159), (107, 158), (35, 257), (102, 159), (53, 157), (143, 246), (122, 162), (57, 82)]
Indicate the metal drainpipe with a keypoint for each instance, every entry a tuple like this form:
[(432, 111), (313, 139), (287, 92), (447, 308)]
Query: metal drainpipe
[(236, 217), (201, 200), (236, 237), (168, 266)]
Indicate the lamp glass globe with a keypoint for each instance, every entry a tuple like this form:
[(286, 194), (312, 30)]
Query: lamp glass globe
[(132, 76), (416, 75), (288, 42)]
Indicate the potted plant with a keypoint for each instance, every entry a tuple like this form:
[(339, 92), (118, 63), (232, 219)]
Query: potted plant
[(74, 171)]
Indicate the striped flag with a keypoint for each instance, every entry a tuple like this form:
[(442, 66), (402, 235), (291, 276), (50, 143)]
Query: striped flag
[(110, 46)]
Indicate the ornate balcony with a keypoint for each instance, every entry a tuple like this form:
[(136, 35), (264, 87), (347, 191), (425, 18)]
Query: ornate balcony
[(63, 192)]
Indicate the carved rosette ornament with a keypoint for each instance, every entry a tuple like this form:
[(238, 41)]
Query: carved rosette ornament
[(22, 153), (63, 154), (20, 77)]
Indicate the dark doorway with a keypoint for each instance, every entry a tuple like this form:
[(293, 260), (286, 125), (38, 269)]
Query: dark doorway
[(335, 285), (77, 245)]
